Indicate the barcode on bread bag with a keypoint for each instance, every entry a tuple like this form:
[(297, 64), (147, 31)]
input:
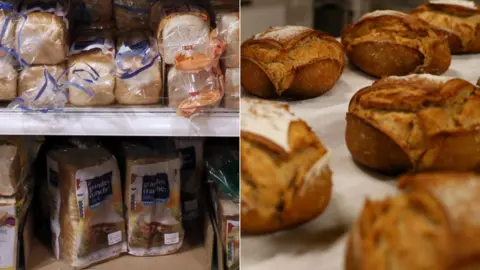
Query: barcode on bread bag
[(171, 238), (114, 238)]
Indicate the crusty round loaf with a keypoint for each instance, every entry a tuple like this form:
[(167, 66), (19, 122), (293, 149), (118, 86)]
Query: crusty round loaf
[(285, 177), (386, 43), (430, 226), (419, 122), (291, 61), (459, 20)]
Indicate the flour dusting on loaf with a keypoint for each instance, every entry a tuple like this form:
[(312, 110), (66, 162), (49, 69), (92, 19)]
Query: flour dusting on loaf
[(281, 33), (269, 120), (379, 13), (311, 177), (461, 3), (438, 79)]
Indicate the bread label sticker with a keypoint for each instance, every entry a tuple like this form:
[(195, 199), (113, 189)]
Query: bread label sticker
[(171, 238), (8, 238), (233, 242), (155, 189), (114, 238)]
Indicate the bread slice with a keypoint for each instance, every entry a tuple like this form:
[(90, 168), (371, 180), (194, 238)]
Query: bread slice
[(285, 177), (419, 122)]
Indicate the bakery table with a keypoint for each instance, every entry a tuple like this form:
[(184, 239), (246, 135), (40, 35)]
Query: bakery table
[(320, 244)]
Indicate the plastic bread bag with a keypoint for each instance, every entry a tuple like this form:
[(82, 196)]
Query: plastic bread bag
[(86, 205), (228, 29), (139, 76), (92, 11), (132, 14), (232, 89), (41, 33), (8, 21), (180, 28), (191, 92), (41, 88), (91, 70), (8, 78), (152, 198)]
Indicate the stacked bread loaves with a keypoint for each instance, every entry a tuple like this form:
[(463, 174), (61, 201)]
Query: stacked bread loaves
[(285, 176), (459, 20), (386, 43), (430, 226), (419, 122), (291, 61)]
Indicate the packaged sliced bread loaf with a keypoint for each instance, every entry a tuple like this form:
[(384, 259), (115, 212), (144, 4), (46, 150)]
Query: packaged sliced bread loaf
[(139, 69), (415, 122), (91, 73), (228, 27), (181, 26), (8, 22), (87, 217), (41, 87), (41, 35), (191, 174), (8, 78), (232, 88), (152, 200), (283, 163)]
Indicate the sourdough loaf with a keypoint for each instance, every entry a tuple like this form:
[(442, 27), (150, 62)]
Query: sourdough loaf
[(419, 228), (419, 122), (291, 61), (459, 20), (386, 42), (285, 177)]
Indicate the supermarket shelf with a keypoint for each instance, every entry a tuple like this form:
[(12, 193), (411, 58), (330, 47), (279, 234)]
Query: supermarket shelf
[(120, 121)]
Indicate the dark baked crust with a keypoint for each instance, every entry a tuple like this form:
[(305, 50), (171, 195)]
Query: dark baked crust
[(304, 63), (430, 226), (396, 44), (460, 24), (416, 122)]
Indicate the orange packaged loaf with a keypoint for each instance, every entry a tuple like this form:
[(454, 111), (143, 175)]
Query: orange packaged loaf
[(386, 43), (458, 19), (285, 176), (419, 122), (291, 61), (430, 226)]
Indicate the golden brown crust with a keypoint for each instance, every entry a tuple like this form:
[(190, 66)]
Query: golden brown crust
[(282, 188), (460, 24), (291, 61), (394, 43), (419, 122)]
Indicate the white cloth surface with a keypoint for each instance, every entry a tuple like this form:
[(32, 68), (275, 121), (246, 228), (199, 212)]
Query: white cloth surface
[(320, 244)]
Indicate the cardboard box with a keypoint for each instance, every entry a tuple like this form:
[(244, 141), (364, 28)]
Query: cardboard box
[(40, 257)]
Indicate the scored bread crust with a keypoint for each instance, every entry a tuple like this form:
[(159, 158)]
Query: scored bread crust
[(291, 61), (419, 122), (386, 43), (460, 24), (419, 228), (282, 188)]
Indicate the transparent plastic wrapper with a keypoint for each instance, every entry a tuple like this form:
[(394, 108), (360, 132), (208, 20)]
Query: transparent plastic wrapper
[(86, 205), (41, 88), (41, 33), (180, 28), (139, 76), (8, 21), (152, 199), (228, 28), (191, 173), (132, 14), (92, 11), (190, 92), (91, 70), (232, 88), (8, 78)]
